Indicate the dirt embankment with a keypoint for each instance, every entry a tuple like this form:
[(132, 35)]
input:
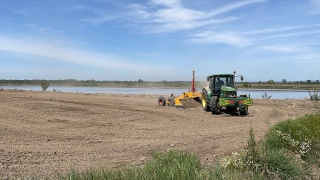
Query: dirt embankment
[(46, 133)]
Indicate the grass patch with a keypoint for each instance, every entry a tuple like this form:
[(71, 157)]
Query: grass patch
[(300, 136), (260, 161), (172, 165)]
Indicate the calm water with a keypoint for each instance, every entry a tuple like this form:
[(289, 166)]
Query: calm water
[(275, 94)]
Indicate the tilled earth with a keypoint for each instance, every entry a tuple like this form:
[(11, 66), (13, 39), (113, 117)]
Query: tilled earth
[(47, 133)]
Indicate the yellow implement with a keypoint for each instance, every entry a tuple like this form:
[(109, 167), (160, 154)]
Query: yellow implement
[(180, 101), (186, 99)]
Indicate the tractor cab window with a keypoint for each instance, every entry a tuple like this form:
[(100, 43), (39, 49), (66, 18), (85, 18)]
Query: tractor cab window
[(220, 81), (216, 82), (212, 82), (229, 82), (223, 81)]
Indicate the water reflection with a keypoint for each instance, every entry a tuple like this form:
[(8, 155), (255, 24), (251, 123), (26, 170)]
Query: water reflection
[(275, 94)]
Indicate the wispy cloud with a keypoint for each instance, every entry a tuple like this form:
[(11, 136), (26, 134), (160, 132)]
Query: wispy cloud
[(101, 17), (314, 7), (210, 37), (18, 11), (170, 16), (285, 48), (243, 39), (37, 28), (99, 20), (168, 3), (78, 7), (279, 29), (165, 16), (233, 6), (289, 34), (60, 51)]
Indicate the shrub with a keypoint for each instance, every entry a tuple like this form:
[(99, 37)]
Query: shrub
[(45, 85), (265, 96), (314, 96)]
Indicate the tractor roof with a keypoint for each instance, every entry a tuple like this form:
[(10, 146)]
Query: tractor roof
[(221, 75)]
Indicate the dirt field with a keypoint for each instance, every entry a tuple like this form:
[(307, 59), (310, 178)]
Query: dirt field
[(47, 133)]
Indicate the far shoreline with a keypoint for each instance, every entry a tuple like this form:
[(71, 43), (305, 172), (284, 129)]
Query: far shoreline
[(270, 88)]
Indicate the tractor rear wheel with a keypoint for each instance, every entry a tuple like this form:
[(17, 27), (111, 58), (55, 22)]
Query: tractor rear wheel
[(214, 105), (162, 101), (204, 101), (243, 110), (171, 102)]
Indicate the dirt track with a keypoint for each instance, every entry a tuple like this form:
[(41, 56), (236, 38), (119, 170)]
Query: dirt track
[(47, 133)]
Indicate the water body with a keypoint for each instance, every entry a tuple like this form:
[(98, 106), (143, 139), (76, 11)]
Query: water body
[(254, 93)]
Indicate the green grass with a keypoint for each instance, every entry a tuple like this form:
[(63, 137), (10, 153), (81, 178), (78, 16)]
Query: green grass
[(300, 136), (289, 150), (260, 161), (172, 165)]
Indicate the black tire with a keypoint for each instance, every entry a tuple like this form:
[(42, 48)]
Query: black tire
[(243, 110), (171, 102), (214, 105), (204, 101), (162, 101)]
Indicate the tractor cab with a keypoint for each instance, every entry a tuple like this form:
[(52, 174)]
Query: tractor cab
[(219, 83)]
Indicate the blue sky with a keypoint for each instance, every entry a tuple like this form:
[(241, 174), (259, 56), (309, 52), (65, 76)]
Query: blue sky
[(157, 40)]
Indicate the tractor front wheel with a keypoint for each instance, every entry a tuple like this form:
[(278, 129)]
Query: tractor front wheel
[(243, 110), (214, 105), (162, 101), (204, 101)]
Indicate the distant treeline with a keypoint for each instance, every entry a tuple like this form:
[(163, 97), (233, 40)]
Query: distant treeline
[(95, 83), (308, 84), (284, 84)]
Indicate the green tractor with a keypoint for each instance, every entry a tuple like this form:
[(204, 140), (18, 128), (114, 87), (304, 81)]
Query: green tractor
[(222, 93)]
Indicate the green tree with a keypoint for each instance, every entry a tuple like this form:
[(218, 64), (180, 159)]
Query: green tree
[(284, 81), (45, 85), (308, 81), (270, 81), (245, 84), (140, 81)]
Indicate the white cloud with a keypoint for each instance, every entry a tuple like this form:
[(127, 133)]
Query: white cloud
[(210, 37), (172, 16), (158, 16)]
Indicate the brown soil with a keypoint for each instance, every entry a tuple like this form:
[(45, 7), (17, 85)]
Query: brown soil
[(47, 133)]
